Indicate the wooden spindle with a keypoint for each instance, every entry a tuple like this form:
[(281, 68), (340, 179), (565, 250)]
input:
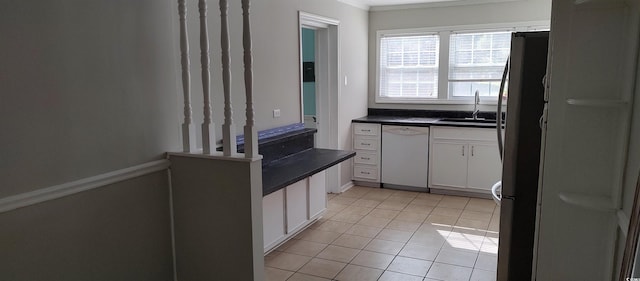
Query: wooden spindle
[(188, 129), (228, 128), (250, 133), (208, 128)]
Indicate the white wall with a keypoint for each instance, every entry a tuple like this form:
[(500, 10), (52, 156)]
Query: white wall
[(277, 64), (86, 87), (505, 12)]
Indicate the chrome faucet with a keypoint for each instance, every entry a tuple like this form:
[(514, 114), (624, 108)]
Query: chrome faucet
[(475, 105)]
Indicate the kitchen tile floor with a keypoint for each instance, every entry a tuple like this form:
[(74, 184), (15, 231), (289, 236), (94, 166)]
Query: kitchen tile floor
[(373, 234)]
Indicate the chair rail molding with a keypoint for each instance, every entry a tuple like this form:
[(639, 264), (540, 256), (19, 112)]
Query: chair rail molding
[(62, 190)]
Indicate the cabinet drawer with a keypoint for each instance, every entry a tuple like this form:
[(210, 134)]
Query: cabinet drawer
[(366, 129), (366, 143), (366, 158), (365, 172)]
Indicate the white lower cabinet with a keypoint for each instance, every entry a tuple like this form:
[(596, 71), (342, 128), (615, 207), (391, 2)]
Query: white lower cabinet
[(273, 218), (293, 208), (317, 194), (296, 203), (464, 159)]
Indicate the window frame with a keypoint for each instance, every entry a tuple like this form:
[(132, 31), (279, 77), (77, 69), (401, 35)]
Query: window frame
[(444, 34)]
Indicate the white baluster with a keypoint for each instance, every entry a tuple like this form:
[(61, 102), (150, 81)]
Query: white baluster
[(208, 128), (188, 129), (228, 128), (250, 133)]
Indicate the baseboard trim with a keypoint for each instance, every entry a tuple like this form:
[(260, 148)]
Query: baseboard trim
[(346, 186), (62, 190)]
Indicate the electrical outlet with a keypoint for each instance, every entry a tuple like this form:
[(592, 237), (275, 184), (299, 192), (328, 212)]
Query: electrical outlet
[(276, 113)]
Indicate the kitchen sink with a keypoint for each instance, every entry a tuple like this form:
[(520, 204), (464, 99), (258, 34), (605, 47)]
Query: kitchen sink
[(468, 120)]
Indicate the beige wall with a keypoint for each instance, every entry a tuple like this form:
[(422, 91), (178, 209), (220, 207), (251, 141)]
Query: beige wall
[(512, 11)]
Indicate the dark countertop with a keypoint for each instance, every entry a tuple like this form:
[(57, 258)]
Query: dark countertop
[(283, 172), (420, 121)]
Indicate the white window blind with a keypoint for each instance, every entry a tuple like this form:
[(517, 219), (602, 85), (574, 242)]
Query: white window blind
[(408, 67), (476, 62)]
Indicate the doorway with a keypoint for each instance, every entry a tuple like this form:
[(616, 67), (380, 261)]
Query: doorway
[(319, 62)]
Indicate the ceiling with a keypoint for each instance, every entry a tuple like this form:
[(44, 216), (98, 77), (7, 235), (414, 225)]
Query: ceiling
[(408, 4)]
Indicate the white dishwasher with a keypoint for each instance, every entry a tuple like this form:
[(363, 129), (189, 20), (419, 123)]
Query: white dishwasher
[(405, 156)]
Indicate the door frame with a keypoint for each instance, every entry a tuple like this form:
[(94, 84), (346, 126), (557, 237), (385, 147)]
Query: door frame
[(327, 66)]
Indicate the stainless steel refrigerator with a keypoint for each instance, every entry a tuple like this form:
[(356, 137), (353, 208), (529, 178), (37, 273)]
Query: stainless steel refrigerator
[(521, 156)]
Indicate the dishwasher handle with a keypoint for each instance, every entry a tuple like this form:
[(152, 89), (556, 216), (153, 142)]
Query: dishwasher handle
[(405, 130)]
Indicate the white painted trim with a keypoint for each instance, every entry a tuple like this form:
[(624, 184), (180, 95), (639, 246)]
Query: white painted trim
[(360, 4), (62, 190), (435, 5), (239, 157), (346, 186)]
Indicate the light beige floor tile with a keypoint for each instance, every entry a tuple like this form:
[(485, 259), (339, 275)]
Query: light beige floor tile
[(358, 273), (322, 268), (418, 209), (455, 202), (482, 275), (410, 266), (334, 226), (481, 205), (357, 210), (430, 202), (363, 230), (449, 212), (457, 257), (366, 203), (274, 274), (373, 259), (374, 221), (287, 244), (427, 239), (442, 220), (347, 217), (320, 236), (305, 248), (417, 251), (331, 196), (376, 196), (399, 224), (488, 262), (384, 246), (356, 191), (385, 214), (464, 241), (351, 241), (394, 235), (399, 197), (441, 271), (305, 277), (392, 205), (430, 196), (490, 243), (434, 228), (475, 215), (395, 276), (474, 224), (337, 253), (287, 261), (405, 194), (340, 199)]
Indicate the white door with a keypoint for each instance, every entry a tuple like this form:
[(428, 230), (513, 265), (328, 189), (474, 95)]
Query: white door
[(449, 164), (592, 72)]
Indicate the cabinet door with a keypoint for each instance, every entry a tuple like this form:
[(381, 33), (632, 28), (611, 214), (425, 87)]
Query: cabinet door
[(449, 164), (317, 194), (273, 218), (296, 205), (484, 168)]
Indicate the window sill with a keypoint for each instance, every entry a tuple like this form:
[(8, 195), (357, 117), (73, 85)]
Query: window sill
[(436, 101)]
